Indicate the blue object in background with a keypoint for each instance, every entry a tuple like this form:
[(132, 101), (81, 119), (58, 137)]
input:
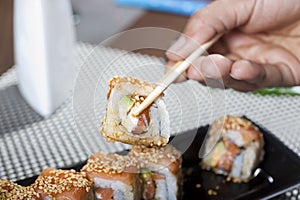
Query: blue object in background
[(183, 7)]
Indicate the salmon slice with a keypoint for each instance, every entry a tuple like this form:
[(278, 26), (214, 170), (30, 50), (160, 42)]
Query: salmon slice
[(104, 193), (228, 157)]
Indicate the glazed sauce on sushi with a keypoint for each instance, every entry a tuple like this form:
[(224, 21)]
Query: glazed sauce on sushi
[(149, 186), (63, 184), (104, 193), (227, 158), (149, 189), (143, 123), (143, 118)]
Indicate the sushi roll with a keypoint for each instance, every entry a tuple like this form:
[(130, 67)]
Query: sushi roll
[(234, 148), (13, 191), (63, 184), (150, 128), (114, 176), (160, 171)]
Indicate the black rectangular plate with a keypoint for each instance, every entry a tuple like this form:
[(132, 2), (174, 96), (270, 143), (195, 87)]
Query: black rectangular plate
[(280, 164)]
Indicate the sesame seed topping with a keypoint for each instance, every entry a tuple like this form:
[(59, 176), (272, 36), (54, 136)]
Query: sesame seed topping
[(112, 83), (10, 190), (155, 154), (230, 122), (111, 163), (212, 192), (53, 182)]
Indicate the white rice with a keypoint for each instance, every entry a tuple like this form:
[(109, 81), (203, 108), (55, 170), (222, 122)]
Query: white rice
[(161, 192), (122, 191)]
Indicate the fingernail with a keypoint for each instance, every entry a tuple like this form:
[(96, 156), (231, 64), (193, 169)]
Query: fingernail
[(240, 70), (234, 76), (209, 69), (177, 45)]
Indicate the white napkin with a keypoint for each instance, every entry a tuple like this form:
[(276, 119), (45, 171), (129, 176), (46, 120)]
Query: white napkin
[(44, 39)]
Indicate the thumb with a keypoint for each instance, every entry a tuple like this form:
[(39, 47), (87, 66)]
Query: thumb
[(219, 16)]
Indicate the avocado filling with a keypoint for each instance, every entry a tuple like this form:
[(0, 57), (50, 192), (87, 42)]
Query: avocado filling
[(134, 125)]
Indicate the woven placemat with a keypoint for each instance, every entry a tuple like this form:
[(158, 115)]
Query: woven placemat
[(29, 143)]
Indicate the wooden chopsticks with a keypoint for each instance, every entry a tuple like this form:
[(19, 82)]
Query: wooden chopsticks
[(174, 73)]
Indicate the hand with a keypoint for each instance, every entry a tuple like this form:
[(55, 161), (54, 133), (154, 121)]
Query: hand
[(261, 47)]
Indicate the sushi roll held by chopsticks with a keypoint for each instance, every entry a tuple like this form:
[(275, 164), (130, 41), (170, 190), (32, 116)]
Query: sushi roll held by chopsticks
[(234, 148), (63, 184), (150, 128)]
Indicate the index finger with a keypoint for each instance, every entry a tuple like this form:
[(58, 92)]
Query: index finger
[(219, 16)]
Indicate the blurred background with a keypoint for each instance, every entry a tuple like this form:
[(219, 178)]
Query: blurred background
[(94, 21), (6, 35), (29, 142), (36, 38)]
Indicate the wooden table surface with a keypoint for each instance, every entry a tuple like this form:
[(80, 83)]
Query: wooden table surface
[(6, 35)]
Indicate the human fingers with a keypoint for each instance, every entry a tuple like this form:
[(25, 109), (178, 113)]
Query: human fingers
[(194, 71), (272, 14), (214, 71), (242, 75), (263, 75), (269, 54), (213, 66), (220, 16), (219, 48), (182, 77)]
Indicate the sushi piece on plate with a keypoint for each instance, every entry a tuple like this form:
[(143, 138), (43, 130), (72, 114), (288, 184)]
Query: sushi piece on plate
[(160, 171), (114, 176), (13, 191), (63, 184), (150, 128), (234, 148)]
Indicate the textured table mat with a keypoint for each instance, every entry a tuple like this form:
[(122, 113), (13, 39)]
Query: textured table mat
[(29, 143)]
